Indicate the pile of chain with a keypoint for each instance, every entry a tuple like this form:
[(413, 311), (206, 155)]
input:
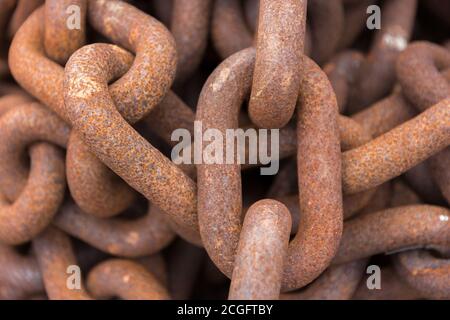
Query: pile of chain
[(88, 188)]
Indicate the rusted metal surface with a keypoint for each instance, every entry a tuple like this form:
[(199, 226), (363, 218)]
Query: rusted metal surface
[(135, 238), (227, 86), (125, 279), (320, 195), (355, 17), (327, 24), (426, 60), (385, 114), (146, 172), (251, 8), (383, 158), (185, 263), (229, 31), (21, 127), (393, 229), (420, 179), (28, 204), (27, 52), (11, 101), (340, 282), (7, 7), (60, 41), (342, 71), (336, 283), (38, 202), (94, 187), (55, 254), (22, 10), (377, 75), (190, 28), (263, 241), (221, 240), (27, 47), (277, 72), (393, 288), (20, 276), (422, 60), (427, 274)]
